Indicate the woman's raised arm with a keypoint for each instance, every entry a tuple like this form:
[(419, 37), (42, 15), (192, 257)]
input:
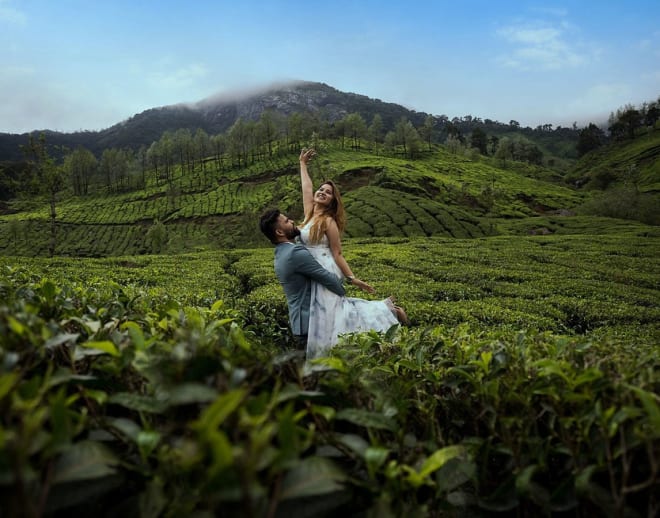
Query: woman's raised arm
[(306, 182)]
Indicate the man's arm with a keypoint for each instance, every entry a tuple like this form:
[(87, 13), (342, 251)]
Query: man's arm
[(307, 265)]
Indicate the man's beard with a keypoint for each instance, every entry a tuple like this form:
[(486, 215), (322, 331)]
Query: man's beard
[(293, 233)]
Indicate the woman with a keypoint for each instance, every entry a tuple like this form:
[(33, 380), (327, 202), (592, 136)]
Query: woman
[(330, 314)]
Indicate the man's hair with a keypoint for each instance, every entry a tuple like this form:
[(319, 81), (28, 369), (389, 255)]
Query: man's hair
[(268, 224)]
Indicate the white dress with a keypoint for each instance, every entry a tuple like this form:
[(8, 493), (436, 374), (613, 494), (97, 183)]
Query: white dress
[(331, 315)]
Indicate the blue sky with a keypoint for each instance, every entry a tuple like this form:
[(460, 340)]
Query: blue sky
[(72, 65)]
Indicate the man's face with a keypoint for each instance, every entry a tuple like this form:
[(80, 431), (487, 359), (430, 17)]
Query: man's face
[(288, 227)]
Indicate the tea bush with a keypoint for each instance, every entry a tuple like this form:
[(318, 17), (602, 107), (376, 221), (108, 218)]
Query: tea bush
[(166, 385)]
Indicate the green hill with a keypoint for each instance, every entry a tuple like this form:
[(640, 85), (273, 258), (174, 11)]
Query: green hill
[(438, 194), (636, 161)]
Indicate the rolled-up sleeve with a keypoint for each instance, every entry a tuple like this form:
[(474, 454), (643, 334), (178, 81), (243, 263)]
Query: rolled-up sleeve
[(309, 267)]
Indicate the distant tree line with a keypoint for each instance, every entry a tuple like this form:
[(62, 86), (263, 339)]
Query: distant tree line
[(626, 123), (194, 153)]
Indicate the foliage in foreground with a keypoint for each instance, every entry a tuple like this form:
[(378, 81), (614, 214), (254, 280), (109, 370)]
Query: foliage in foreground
[(115, 401)]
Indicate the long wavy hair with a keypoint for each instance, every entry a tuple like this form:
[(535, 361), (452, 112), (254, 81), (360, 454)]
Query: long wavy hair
[(334, 210)]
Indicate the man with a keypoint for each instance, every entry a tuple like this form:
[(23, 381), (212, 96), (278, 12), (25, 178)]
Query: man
[(296, 269)]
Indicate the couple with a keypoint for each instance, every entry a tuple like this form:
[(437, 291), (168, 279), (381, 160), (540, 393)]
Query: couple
[(311, 273)]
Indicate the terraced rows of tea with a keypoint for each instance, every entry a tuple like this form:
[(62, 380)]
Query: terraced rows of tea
[(437, 195), (565, 284)]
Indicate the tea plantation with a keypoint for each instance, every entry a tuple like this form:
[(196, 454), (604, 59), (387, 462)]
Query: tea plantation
[(151, 385), (147, 369)]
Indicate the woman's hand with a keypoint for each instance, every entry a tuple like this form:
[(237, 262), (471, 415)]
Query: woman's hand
[(306, 155), (363, 285)]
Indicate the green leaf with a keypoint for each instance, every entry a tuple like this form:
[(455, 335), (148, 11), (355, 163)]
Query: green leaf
[(525, 485), (48, 290), (367, 419), (136, 334), (327, 363), (439, 458), (454, 473), (327, 412), (291, 391), (127, 427), (238, 338), (355, 442), (7, 382), (64, 376), (105, 346), (219, 410), (138, 402), (375, 457), (221, 448), (549, 367), (84, 460), (588, 376), (312, 476), (147, 441), (60, 339), (152, 500), (650, 404), (187, 393), (16, 326)]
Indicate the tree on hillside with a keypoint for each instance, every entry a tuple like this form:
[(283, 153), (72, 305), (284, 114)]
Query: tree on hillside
[(427, 130), (81, 166), (267, 129), (505, 150), (239, 146), (631, 120), (355, 127), (590, 138), (375, 131), (339, 131), (294, 131), (453, 144), (479, 140), (652, 115), (51, 178), (407, 136), (114, 167), (625, 122), (219, 146), (493, 143), (201, 146), (526, 151), (142, 158), (453, 130), (153, 157), (182, 147), (166, 155)]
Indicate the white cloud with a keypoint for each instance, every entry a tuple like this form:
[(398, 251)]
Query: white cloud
[(540, 45), (600, 100)]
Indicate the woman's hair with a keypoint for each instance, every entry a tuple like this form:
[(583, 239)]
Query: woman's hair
[(334, 210)]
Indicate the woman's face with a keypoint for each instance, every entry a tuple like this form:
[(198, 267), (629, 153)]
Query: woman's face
[(324, 195)]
